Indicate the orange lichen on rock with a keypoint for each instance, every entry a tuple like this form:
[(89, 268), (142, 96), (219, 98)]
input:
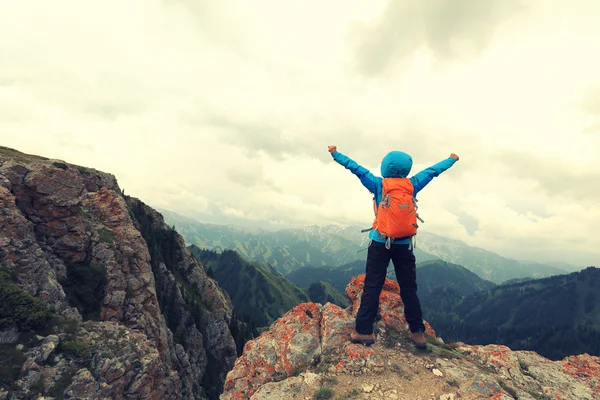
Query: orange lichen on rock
[(291, 345), (584, 368)]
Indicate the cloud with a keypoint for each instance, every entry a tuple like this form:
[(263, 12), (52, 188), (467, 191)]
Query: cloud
[(591, 101), (591, 106), (448, 29), (250, 174), (71, 140), (555, 176), (223, 110)]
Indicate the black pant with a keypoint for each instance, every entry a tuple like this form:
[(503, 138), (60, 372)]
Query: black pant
[(378, 259)]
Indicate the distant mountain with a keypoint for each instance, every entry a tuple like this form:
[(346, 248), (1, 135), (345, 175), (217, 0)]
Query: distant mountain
[(555, 316), (333, 246), (433, 275), (285, 250), (486, 264), (324, 292), (338, 277)]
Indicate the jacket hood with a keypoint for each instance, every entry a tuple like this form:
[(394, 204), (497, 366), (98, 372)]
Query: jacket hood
[(396, 164)]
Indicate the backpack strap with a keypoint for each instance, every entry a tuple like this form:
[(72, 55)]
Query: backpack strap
[(388, 243)]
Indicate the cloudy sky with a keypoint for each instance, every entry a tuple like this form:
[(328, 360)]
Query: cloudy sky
[(222, 110)]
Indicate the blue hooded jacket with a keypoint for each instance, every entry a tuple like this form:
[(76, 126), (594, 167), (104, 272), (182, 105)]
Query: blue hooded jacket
[(396, 164)]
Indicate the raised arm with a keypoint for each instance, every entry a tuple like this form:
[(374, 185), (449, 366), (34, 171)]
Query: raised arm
[(421, 179), (366, 177)]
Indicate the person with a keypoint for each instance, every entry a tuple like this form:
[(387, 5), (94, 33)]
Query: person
[(395, 164)]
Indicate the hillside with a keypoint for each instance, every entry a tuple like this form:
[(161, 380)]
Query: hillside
[(338, 277), (432, 275), (324, 292), (260, 294), (554, 316)]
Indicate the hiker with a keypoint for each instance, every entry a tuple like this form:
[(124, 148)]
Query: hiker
[(383, 248)]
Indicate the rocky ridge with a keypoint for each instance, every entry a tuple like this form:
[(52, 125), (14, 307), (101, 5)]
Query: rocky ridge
[(307, 354), (130, 313)]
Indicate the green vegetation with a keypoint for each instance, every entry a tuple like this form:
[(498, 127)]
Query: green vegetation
[(38, 387), (84, 287), (556, 316), (60, 165), (11, 361), (338, 277), (77, 349), (7, 151), (166, 249), (57, 391), (323, 363), (106, 236), (352, 394), (324, 292), (330, 381), (323, 393), (259, 293), (437, 274), (393, 337), (19, 307)]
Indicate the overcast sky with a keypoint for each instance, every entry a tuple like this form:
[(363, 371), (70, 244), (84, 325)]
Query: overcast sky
[(222, 110)]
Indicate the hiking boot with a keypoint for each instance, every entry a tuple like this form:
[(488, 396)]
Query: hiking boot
[(418, 338), (365, 340)]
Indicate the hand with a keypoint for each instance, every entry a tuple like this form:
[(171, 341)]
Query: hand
[(454, 156), (332, 149)]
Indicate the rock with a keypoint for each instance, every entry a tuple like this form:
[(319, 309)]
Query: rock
[(358, 358), (437, 372), (392, 395), (48, 345), (83, 385), (368, 388), (56, 216), (290, 345), (336, 326), (449, 396), (306, 381)]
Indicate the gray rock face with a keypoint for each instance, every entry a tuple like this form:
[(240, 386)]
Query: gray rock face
[(71, 238)]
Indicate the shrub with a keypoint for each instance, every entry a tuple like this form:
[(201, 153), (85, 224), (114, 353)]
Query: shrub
[(11, 361), (106, 236), (84, 288), (325, 393), (19, 307)]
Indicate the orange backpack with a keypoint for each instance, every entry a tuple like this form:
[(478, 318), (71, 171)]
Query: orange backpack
[(396, 214)]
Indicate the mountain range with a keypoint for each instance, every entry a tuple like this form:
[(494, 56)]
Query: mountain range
[(334, 246)]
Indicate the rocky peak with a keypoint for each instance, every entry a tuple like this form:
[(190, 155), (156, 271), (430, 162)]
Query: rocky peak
[(112, 274), (307, 354)]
